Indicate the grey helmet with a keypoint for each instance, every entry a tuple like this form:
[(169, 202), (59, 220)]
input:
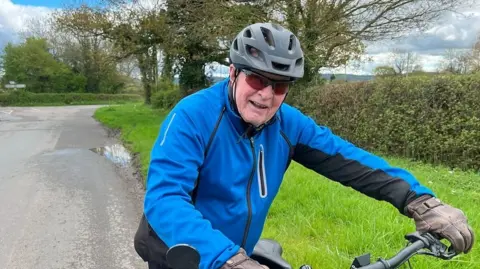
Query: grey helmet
[(270, 48)]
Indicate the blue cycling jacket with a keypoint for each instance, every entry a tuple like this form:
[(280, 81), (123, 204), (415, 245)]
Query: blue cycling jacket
[(240, 173)]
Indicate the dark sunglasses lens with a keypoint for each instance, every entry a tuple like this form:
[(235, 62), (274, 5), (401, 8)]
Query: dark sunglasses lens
[(258, 82), (281, 87), (255, 81)]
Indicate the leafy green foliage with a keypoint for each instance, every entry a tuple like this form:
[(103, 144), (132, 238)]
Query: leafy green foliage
[(167, 94), (430, 118), (201, 32), (83, 68), (384, 71), (130, 32), (32, 64), (166, 99), (23, 98)]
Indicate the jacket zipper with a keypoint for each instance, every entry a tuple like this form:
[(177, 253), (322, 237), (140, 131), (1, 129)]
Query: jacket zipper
[(262, 182), (249, 219)]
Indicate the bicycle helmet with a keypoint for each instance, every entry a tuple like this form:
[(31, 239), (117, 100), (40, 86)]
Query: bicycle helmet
[(270, 48)]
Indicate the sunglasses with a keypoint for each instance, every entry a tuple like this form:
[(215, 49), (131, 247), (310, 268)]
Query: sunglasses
[(259, 82)]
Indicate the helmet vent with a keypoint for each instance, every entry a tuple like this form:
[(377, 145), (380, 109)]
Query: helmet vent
[(299, 61), (235, 44), (252, 51), (268, 36), (291, 44), (279, 66), (247, 33)]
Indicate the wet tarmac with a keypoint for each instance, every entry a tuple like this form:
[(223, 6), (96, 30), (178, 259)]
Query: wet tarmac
[(116, 153), (68, 193)]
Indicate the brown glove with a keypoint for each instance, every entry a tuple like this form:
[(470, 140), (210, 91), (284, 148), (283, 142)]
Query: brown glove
[(431, 215), (242, 261)]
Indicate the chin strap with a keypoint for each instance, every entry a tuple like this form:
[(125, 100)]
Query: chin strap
[(232, 90)]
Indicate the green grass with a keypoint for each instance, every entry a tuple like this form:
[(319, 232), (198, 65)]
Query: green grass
[(138, 124), (317, 221)]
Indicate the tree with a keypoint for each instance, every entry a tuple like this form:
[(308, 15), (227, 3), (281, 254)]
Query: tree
[(201, 32), (473, 57), (333, 32), (32, 64), (404, 62), (188, 34), (455, 61), (384, 71), (84, 54), (135, 31), (462, 61)]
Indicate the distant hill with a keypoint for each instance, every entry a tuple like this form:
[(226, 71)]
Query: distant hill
[(350, 77)]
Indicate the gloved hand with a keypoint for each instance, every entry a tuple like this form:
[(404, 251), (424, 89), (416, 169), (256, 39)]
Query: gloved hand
[(431, 215), (242, 261)]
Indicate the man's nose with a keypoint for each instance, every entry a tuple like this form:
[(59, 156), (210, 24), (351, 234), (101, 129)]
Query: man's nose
[(267, 91)]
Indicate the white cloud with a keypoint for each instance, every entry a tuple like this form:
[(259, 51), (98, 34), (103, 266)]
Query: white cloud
[(456, 31), (14, 18)]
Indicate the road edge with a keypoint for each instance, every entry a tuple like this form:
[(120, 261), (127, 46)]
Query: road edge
[(135, 164)]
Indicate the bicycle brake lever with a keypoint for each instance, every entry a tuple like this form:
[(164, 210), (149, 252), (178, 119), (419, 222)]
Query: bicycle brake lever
[(444, 255), (437, 248)]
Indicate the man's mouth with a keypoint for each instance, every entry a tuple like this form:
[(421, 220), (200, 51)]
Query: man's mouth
[(260, 106)]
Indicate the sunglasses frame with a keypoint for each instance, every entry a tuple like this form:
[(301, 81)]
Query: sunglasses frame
[(268, 81)]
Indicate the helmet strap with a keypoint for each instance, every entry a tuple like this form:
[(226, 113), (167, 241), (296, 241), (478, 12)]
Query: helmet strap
[(232, 92)]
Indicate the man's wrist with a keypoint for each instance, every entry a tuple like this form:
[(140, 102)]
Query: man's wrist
[(413, 201), (238, 257)]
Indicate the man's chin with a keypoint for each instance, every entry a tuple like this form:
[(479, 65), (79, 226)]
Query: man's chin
[(256, 121)]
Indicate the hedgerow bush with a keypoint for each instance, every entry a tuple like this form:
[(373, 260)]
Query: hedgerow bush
[(166, 95), (429, 118), (166, 99), (24, 98)]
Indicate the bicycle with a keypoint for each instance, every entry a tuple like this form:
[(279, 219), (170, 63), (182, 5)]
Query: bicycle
[(269, 252)]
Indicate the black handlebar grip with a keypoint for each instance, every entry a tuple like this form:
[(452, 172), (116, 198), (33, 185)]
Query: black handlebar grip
[(305, 266)]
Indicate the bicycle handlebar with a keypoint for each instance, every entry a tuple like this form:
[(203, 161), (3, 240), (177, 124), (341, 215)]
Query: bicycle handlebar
[(396, 260), (418, 242), (184, 256)]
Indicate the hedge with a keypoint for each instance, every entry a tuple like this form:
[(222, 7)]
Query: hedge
[(166, 98), (432, 119), (23, 98)]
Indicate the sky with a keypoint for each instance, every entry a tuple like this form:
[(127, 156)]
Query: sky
[(457, 31), (45, 3)]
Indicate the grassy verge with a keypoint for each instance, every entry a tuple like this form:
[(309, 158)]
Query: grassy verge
[(138, 125), (320, 222)]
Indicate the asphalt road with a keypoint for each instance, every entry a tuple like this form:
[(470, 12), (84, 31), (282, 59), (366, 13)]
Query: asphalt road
[(62, 204)]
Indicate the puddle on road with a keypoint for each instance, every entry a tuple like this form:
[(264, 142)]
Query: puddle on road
[(115, 153)]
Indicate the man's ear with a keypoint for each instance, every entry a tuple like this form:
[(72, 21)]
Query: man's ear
[(231, 72)]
